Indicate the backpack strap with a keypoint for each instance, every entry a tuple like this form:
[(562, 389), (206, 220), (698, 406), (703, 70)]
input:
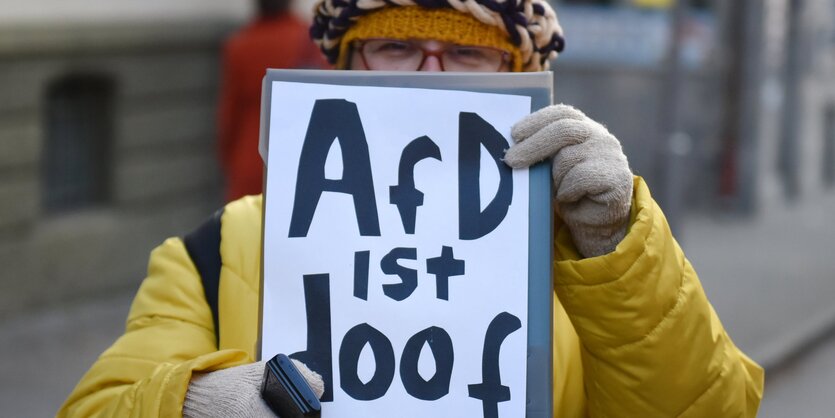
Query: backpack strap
[(203, 246)]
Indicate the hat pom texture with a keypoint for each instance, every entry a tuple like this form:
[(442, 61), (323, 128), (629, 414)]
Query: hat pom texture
[(530, 24)]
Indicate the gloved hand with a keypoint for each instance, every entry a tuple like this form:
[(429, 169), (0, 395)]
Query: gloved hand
[(236, 392), (592, 180)]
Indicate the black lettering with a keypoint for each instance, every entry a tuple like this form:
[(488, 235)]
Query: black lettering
[(444, 267), (441, 345), (491, 391), (473, 132), (404, 195), (334, 120), (408, 277), (361, 274), (349, 353), (317, 357)]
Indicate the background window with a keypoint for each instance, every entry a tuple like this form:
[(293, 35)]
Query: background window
[(76, 153)]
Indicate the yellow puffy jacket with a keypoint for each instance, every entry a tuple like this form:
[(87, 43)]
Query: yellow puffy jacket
[(634, 335)]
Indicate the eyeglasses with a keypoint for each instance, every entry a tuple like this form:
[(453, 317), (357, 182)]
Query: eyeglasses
[(399, 55)]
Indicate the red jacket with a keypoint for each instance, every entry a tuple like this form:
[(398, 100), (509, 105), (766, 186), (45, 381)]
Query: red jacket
[(271, 42)]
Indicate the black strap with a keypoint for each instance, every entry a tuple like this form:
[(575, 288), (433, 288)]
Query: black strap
[(203, 246)]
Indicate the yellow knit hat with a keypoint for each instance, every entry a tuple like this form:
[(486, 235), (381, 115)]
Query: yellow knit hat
[(531, 26), (442, 24)]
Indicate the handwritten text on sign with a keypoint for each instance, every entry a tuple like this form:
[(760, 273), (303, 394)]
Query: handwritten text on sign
[(395, 248)]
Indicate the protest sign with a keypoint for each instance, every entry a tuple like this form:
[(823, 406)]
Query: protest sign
[(397, 248)]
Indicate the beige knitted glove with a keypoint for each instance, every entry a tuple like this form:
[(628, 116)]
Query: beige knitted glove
[(592, 180), (236, 392)]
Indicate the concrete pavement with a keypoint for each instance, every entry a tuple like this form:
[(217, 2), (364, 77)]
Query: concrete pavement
[(44, 353), (771, 279), (803, 386)]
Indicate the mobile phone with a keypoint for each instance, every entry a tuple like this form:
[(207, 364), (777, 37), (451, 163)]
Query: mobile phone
[(286, 391)]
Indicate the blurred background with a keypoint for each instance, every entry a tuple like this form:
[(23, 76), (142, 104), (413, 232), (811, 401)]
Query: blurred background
[(109, 144)]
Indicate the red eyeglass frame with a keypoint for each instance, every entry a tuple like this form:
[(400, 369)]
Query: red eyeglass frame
[(358, 46)]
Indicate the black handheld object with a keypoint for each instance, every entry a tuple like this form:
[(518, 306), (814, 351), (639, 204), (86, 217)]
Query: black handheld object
[(286, 391)]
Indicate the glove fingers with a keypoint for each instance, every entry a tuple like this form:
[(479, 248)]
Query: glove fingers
[(313, 379), (601, 145), (605, 178), (547, 142), (534, 122), (586, 213), (608, 209), (568, 158), (578, 182), (232, 392), (595, 228)]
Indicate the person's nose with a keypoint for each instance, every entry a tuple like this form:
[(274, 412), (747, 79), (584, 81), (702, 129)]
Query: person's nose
[(431, 63)]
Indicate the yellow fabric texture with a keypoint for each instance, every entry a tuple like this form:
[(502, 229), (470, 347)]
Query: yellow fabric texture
[(634, 335), (652, 346), (443, 24), (170, 332)]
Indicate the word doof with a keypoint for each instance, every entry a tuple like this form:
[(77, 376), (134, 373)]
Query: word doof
[(319, 353)]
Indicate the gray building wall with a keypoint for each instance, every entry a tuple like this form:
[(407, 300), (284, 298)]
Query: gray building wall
[(816, 86), (629, 102), (756, 100), (164, 178), (614, 70), (796, 94)]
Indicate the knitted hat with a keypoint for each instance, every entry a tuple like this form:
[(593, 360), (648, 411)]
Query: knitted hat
[(411, 22), (530, 26)]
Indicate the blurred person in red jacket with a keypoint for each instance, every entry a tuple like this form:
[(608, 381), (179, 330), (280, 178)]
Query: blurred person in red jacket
[(276, 38)]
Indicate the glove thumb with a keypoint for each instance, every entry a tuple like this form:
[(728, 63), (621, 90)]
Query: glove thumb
[(313, 379)]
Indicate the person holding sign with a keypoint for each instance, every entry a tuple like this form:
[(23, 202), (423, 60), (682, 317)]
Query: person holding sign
[(634, 334)]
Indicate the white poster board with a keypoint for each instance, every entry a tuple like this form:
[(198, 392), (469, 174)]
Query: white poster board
[(396, 248)]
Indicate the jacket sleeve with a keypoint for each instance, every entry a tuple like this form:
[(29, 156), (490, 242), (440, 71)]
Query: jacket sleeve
[(652, 346), (169, 335)]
